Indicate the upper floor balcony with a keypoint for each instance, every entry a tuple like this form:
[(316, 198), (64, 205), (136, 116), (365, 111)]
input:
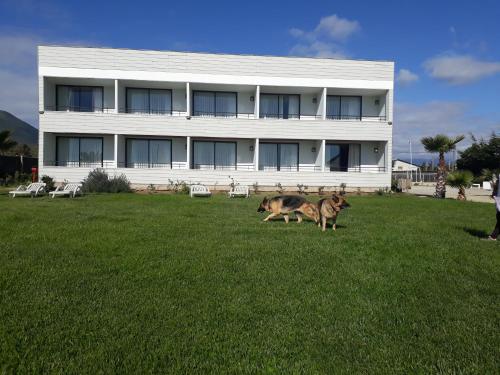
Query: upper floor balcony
[(218, 101)]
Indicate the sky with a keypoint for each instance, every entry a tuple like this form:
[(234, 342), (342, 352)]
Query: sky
[(446, 53)]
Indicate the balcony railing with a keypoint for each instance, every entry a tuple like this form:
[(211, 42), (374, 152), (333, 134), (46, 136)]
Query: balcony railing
[(203, 114)]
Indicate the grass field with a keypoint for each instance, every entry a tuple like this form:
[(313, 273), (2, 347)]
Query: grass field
[(169, 284)]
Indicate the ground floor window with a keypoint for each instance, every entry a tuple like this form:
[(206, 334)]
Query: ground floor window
[(149, 153), (342, 157), (214, 155), (79, 152), (279, 157)]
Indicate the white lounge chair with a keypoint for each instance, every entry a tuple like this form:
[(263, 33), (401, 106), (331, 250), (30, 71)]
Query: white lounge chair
[(239, 191), (487, 185), (199, 191), (32, 190), (69, 189)]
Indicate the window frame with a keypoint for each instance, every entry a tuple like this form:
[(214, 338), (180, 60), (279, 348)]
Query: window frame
[(80, 86), (278, 95), (340, 107), (149, 148), (278, 156), (214, 144), (79, 148), (214, 114), (127, 109)]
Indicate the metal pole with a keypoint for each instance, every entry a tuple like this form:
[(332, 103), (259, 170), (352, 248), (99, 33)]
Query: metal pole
[(411, 160)]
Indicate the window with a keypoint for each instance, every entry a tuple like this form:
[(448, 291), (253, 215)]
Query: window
[(79, 98), (279, 106), (215, 104), (79, 152), (343, 107), (149, 153), (214, 155), (149, 101), (279, 157), (342, 157)]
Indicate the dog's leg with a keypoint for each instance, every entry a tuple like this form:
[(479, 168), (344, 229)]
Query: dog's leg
[(334, 225), (270, 216), (287, 218), (299, 217), (323, 223)]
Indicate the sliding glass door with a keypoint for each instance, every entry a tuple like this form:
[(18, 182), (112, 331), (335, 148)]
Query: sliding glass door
[(79, 98), (155, 101), (79, 152), (343, 107), (343, 157), (215, 104), (279, 156), (282, 106), (214, 155), (148, 153)]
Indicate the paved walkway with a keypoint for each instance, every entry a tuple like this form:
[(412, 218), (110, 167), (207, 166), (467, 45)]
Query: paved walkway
[(473, 194)]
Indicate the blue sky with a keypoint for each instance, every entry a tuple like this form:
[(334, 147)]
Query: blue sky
[(446, 52)]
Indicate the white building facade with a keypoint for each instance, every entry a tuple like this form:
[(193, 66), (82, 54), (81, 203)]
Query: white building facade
[(159, 116)]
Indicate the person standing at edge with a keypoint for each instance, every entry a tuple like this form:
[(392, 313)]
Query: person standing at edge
[(496, 196)]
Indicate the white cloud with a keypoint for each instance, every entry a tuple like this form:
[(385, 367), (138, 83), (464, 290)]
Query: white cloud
[(460, 69), (405, 77), (414, 121), (336, 27), (325, 39)]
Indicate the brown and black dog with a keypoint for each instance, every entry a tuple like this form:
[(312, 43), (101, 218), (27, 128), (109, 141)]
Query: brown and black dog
[(329, 208), (285, 204)]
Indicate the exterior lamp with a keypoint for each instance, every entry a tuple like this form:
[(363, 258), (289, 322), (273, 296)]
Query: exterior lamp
[(252, 98), (313, 149), (375, 150)]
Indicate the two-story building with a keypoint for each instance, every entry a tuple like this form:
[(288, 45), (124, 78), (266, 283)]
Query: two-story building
[(157, 116)]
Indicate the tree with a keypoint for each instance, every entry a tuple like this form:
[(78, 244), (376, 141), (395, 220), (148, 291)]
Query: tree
[(441, 144), (6, 143), (23, 150), (481, 155), (460, 180)]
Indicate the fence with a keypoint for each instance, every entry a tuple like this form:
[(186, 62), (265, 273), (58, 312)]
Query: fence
[(415, 176), (9, 165)]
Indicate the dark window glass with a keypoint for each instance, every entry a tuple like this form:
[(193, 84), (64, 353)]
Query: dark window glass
[(214, 155), (214, 104), (156, 101), (343, 107), (279, 157), (79, 152), (279, 106), (79, 98)]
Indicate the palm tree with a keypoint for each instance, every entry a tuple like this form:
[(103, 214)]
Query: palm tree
[(441, 144), (5, 142), (461, 180)]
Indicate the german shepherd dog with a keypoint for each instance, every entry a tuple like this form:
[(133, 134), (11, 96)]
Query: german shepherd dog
[(329, 208), (284, 204)]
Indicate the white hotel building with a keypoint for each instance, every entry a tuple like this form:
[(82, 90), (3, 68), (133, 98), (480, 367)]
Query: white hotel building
[(199, 117)]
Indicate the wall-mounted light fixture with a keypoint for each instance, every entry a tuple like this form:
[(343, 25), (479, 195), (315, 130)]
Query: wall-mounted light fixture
[(313, 149), (251, 148), (315, 100), (375, 150), (377, 101), (252, 98)]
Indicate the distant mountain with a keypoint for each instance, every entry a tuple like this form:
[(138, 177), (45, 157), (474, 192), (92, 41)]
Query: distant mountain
[(22, 132)]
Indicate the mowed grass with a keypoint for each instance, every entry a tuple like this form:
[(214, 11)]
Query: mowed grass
[(168, 284)]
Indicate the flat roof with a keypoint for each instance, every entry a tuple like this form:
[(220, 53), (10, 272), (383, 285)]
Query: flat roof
[(211, 53)]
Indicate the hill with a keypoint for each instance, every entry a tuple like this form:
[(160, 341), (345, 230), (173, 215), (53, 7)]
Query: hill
[(22, 132)]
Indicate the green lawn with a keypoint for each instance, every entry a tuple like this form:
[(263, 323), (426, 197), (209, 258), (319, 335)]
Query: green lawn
[(169, 284)]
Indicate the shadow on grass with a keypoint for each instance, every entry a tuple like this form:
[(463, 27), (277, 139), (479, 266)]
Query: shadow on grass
[(476, 232)]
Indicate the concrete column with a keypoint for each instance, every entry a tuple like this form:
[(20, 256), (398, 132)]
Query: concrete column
[(188, 152), (116, 100), (116, 150), (323, 154), (257, 101), (323, 103), (256, 154), (188, 100)]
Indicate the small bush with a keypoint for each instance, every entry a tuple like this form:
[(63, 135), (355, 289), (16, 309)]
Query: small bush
[(321, 190), (178, 187), (302, 188), (279, 188), (98, 181), (49, 182), (255, 187)]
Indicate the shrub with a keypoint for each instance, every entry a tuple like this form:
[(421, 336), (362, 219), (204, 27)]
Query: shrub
[(255, 187), (49, 182), (460, 180), (302, 188), (321, 190), (178, 186), (342, 188), (98, 181), (279, 188)]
